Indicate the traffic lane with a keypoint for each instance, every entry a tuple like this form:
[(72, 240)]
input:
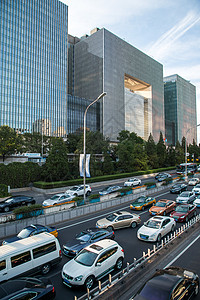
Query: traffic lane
[(127, 238), (189, 258)]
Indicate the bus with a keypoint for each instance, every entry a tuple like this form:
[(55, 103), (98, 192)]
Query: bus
[(191, 168)]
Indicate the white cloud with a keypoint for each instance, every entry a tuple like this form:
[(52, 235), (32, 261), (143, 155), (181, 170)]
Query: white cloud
[(163, 47)]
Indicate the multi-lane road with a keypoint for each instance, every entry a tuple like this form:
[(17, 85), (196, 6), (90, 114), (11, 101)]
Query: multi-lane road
[(127, 238)]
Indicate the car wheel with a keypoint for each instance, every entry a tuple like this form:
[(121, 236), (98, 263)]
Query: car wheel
[(119, 264), (133, 224), (195, 213), (29, 204), (172, 229), (164, 214), (76, 195), (88, 193), (6, 209), (196, 290), (142, 207), (45, 269), (89, 282), (186, 219), (110, 228), (159, 238)]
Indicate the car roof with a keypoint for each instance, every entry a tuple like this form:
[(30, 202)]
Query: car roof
[(164, 281), (165, 200), (34, 226), (122, 213), (93, 230), (101, 245), (160, 218)]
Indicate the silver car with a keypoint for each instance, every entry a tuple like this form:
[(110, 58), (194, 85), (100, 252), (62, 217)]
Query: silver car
[(186, 197)]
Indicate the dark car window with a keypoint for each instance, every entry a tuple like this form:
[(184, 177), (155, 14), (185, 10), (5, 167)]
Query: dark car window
[(151, 292), (165, 222), (120, 218), (107, 254), (2, 265), (98, 235), (25, 296), (126, 217)]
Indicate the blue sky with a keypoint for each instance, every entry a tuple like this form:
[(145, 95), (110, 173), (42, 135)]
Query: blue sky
[(168, 31)]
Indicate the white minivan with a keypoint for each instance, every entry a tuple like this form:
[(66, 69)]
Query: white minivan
[(31, 255)]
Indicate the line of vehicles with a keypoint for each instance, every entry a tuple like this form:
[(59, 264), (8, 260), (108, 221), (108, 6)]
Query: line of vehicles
[(94, 251)]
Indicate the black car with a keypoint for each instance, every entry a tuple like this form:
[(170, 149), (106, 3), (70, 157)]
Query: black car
[(15, 201), (27, 288), (178, 188), (170, 283), (86, 237), (30, 231)]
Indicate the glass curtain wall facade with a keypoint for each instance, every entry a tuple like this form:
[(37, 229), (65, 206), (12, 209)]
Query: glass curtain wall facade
[(100, 64), (33, 70), (180, 109), (75, 115)]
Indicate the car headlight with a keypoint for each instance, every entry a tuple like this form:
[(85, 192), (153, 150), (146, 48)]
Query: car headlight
[(79, 278)]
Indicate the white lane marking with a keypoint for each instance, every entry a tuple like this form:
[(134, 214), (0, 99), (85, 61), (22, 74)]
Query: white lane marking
[(78, 223), (169, 264)]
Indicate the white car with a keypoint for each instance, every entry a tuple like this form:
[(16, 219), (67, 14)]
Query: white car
[(193, 181), (78, 190), (57, 199), (132, 182), (155, 228), (186, 197), (197, 202), (196, 189), (92, 263)]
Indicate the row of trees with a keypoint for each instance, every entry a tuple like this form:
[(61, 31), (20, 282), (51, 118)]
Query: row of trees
[(131, 153)]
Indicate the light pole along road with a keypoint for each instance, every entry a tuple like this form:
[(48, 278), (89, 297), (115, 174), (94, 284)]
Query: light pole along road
[(84, 137), (186, 149)]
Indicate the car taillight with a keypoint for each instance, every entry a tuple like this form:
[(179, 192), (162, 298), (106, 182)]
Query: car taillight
[(60, 253), (53, 290), (122, 250)]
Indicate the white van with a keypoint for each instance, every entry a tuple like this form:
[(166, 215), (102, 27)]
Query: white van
[(31, 255)]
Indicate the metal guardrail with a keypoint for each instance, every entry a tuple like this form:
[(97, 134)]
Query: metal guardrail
[(103, 287)]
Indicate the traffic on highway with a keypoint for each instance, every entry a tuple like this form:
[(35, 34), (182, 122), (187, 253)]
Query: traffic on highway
[(132, 230)]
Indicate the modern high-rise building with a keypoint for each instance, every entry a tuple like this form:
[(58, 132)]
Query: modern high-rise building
[(133, 81), (180, 110), (33, 65)]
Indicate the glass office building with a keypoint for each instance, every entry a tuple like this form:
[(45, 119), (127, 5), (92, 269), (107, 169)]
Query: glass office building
[(104, 62), (33, 65), (180, 109)]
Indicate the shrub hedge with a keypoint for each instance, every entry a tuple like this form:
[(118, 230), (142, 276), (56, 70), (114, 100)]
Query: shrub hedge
[(50, 185), (3, 190)]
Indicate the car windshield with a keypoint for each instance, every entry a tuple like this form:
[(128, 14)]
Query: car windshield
[(86, 258), (83, 237), (185, 194), (111, 217), (73, 188), (106, 189), (140, 199), (176, 186), (131, 180), (9, 200), (55, 197), (24, 233), (153, 224), (160, 204), (181, 209), (152, 292)]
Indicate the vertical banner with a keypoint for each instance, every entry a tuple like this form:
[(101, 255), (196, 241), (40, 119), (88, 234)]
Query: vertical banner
[(87, 165), (81, 165)]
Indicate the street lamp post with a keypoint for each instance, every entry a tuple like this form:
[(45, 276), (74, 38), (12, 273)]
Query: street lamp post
[(84, 137), (186, 150)]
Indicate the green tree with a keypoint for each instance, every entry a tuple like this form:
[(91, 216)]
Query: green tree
[(151, 151), (10, 142), (171, 156), (179, 153), (161, 151), (56, 167)]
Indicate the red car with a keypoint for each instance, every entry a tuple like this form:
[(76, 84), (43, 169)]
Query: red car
[(184, 212)]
